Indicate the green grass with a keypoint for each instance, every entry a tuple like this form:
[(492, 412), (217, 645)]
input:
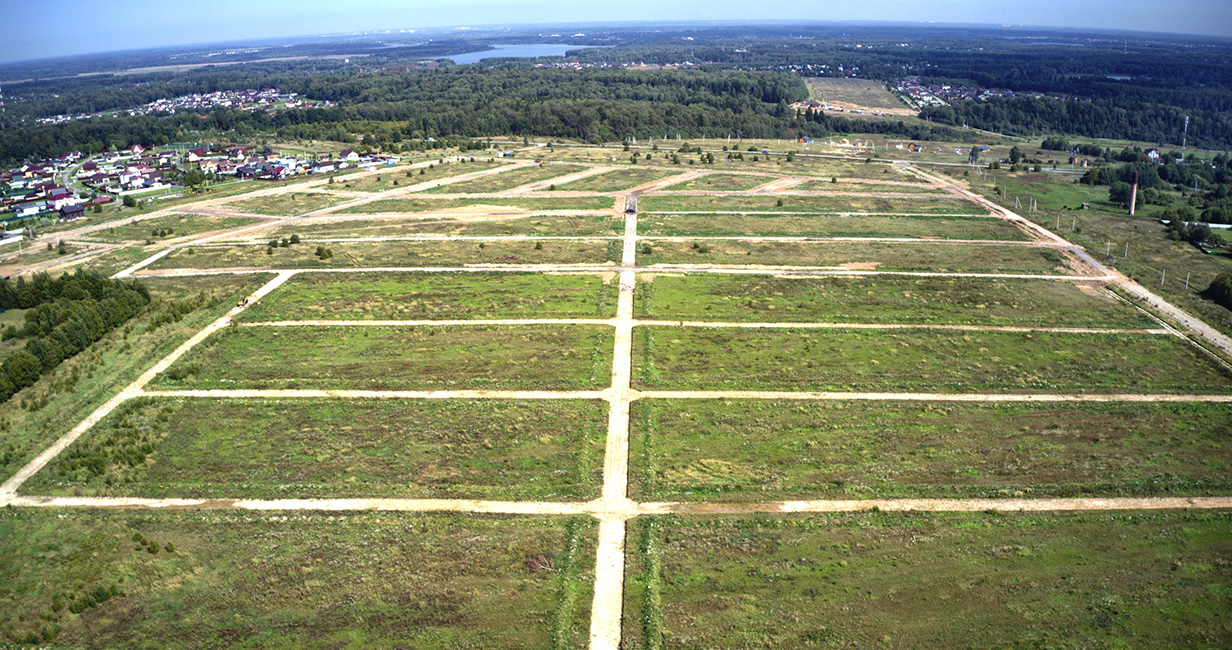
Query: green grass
[(883, 299), (883, 256), (180, 225), (616, 181), (393, 253), (459, 225), (385, 180), (920, 360), (722, 183), (294, 580), (759, 450), (916, 580), (399, 358), (925, 204), (288, 204), (255, 448), (507, 180), (725, 225), (521, 203), (404, 296), (35, 417)]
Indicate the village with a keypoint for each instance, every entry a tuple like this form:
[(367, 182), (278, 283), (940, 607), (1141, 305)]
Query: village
[(65, 188)]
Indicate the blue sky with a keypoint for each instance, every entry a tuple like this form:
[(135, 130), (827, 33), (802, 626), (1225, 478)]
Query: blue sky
[(49, 28)]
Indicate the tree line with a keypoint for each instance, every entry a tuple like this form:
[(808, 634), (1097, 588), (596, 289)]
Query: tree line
[(66, 315)]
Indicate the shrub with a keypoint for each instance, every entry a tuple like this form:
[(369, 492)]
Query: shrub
[(294, 239), (538, 245), (1220, 290), (779, 203)]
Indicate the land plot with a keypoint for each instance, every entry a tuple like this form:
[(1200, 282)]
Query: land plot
[(917, 360), (743, 225), (287, 204), (258, 448), (722, 182), (925, 204), (827, 186), (616, 181), (916, 580), (414, 296), (883, 299), (399, 358), (115, 579), (884, 256), (462, 225), (758, 450), (393, 253), (180, 225), (507, 180), (828, 168), (523, 203), (384, 181), (865, 93)]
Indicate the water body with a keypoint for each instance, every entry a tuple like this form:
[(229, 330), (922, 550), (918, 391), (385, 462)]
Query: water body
[(523, 51)]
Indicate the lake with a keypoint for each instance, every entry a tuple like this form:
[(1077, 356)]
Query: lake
[(524, 51)]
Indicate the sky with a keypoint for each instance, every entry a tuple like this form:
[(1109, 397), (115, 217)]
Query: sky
[(50, 28)]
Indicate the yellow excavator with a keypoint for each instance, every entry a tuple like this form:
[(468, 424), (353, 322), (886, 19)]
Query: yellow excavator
[(244, 302)]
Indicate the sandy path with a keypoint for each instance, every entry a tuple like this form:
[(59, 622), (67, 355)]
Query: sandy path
[(944, 505), (279, 393)]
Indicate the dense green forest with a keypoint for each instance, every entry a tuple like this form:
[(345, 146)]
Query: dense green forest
[(390, 107)]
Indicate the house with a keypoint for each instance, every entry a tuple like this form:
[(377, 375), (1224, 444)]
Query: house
[(137, 149), (239, 153), (27, 209), (70, 212), (323, 167), (348, 155), (197, 154), (1153, 154)]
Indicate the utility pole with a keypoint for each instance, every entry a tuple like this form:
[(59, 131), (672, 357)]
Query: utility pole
[(1162, 273), (1187, 280), (1185, 133), (1127, 248), (1074, 226)]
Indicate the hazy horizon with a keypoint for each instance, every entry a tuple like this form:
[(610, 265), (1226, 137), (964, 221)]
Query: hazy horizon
[(87, 28)]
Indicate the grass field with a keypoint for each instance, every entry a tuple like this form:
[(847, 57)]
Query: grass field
[(254, 448), (929, 361), (285, 205), (757, 450), (910, 580), (398, 358), (393, 253), (522, 203), (616, 181), (735, 225), (461, 225), (926, 204), (180, 226), (384, 181), (884, 256), (722, 183), (98, 579), (882, 299), (507, 180), (405, 296), (868, 93)]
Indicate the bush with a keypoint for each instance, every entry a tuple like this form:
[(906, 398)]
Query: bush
[(779, 203), (294, 239), (1220, 290)]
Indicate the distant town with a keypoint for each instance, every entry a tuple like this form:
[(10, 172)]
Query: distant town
[(269, 99)]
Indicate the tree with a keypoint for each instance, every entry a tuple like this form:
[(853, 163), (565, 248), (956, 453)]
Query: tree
[(1015, 155), (974, 156), (23, 369), (130, 202), (1118, 193), (1220, 290)]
